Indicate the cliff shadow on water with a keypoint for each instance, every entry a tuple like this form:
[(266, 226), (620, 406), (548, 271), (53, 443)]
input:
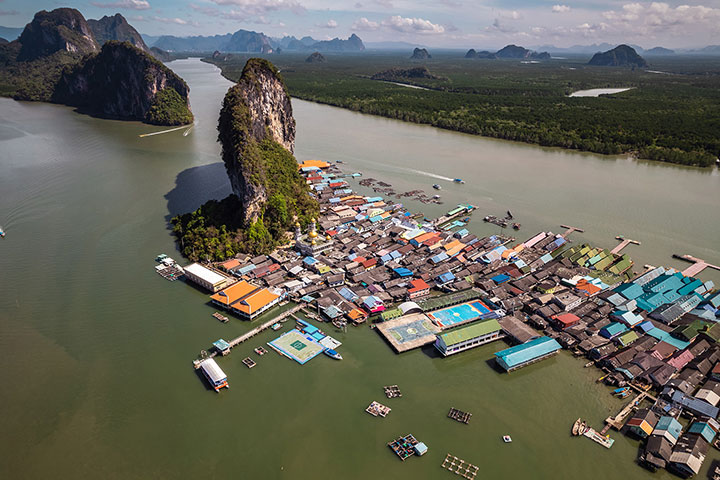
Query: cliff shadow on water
[(194, 187)]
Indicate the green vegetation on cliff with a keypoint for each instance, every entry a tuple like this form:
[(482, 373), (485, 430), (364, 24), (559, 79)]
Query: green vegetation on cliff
[(671, 117), (169, 108)]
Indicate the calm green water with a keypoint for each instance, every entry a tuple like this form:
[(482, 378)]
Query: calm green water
[(97, 377)]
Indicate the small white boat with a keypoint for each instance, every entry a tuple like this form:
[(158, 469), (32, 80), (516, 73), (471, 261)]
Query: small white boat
[(276, 326), (2, 232), (436, 186), (333, 354), (507, 439), (436, 197)]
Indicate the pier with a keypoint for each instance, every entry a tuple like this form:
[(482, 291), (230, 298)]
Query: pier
[(569, 230), (624, 242), (247, 335), (461, 210), (698, 265), (618, 420)]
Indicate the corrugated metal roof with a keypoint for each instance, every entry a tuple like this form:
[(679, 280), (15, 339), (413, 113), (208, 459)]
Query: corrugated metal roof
[(213, 371), (519, 354), (472, 331)]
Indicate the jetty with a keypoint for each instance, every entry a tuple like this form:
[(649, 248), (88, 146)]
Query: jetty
[(248, 335), (570, 229), (460, 467), (618, 420), (698, 265), (624, 242), (459, 211)]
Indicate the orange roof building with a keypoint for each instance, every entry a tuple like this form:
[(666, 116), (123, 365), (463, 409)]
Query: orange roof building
[(313, 163), (246, 299)]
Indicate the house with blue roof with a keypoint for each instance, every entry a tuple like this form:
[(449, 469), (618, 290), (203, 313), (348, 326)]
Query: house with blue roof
[(613, 330), (403, 272), (669, 428), (702, 428), (533, 351), (445, 278)]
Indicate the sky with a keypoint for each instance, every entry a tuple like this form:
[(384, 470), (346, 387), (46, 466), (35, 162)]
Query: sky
[(434, 23)]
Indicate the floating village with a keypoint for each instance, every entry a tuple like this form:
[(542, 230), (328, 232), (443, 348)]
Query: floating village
[(652, 332)]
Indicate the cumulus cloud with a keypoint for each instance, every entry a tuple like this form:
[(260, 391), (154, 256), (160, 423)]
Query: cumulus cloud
[(204, 9), (329, 24), (412, 25), (176, 21), (560, 8), (511, 15), (365, 25), (259, 7), (656, 17), (498, 26), (126, 4)]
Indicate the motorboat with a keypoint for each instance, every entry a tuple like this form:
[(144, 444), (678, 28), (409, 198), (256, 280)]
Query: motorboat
[(459, 180), (507, 439), (276, 326), (2, 232), (436, 186), (333, 354)]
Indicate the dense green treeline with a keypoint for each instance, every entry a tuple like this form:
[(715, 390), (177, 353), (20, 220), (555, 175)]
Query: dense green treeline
[(672, 116)]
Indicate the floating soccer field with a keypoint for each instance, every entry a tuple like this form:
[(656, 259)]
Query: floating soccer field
[(459, 314), (299, 347)]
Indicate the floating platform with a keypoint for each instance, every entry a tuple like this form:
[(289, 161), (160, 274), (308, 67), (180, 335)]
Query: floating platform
[(378, 409), (459, 415), (392, 391), (260, 351), (249, 362), (404, 447), (220, 317), (408, 332), (593, 435), (460, 467)]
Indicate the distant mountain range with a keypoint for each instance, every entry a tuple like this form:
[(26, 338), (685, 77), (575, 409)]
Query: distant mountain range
[(10, 33), (255, 42), (509, 51)]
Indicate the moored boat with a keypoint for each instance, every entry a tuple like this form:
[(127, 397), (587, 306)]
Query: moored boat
[(576, 427), (276, 326), (333, 354)]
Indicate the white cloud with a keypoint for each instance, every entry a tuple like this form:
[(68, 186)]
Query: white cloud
[(560, 9), (412, 25), (365, 25), (511, 15), (176, 21), (329, 24), (259, 7), (657, 17), (498, 26), (126, 4), (207, 10)]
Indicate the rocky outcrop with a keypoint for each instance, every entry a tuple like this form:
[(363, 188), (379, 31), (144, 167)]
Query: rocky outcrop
[(481, 54), (352, 44), (620, 56), (160, 54), (63, 29), (124, 82), (514, 51), (395, 74), (316, 57), (420, 54), (116, 28), (256, 109)]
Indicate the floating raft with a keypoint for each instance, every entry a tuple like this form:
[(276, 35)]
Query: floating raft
[(459, 415), (392, 391), (404, 447), (593, 435), (260, 351), (221, 317), (376, 409), (460, 467), (249, 362)]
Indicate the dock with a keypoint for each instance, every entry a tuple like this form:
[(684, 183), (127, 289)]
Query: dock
[(461, 210), (569, 230), (248, 335), (460, 467), (459, 415), (698, 265), (600, 438), (618, 420), (392, 391), (624, 242), (404, 447)]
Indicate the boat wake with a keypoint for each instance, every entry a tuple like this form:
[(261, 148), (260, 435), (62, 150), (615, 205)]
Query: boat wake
[(431, 175), (168, 131)]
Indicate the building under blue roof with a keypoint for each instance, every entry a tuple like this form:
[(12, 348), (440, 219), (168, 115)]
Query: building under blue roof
[(702, 428), (664, 336), (529, 352), (629, 290), (695, 405), (221, 345), (501, 278), (446, 278), (403, 272), (668, 425), (613, 330)]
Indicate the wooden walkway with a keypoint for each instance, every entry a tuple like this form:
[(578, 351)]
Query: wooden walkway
[(570, 230), (698, 265), (247, 335), (624, 242), (618, 420)]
